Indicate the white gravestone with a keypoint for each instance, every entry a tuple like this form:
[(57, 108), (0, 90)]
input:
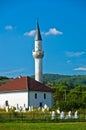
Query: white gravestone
[(76, 115), (62, 115), (69, 114), (58, 111), (53, 115), (6, 108)]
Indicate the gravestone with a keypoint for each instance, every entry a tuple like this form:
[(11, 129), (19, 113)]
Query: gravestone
[(76, 115), (62, 115), (6, 108), (69, 114), (53, 115)]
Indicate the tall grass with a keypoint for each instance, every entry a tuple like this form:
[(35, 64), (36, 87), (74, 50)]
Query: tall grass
[(36, 116)]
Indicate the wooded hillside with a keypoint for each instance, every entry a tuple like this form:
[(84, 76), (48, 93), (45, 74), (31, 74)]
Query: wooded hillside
[(70, 80)]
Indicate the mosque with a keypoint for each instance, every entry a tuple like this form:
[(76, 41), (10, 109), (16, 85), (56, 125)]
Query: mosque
[(25, 91)]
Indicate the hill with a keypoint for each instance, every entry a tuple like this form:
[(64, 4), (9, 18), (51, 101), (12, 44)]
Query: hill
[(56, 78), (74, 79), (71, 80)]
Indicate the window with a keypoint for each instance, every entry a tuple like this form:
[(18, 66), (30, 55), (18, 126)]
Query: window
[(35, 95), (44, 95)]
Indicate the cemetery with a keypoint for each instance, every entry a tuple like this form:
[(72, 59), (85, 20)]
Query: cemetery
[(44, 114)]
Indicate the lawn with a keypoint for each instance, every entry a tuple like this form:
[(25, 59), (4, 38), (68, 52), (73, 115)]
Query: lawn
[(43, 126)]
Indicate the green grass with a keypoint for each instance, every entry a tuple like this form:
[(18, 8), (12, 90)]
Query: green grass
[(43, 126)]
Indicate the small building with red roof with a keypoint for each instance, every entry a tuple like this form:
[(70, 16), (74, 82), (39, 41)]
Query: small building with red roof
[(25, 92)]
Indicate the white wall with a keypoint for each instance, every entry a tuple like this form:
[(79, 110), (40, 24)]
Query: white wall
[(26, 98), (14, 98), (40, 98)]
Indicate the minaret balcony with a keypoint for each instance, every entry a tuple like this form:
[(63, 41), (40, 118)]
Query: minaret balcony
[(38, 54)]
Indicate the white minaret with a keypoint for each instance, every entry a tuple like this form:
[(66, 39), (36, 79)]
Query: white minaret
[(38, 54)]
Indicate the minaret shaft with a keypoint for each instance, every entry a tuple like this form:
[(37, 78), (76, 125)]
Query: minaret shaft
[(38, 69)]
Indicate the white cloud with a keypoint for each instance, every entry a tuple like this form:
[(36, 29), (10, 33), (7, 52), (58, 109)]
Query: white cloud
[(9, 27), (81, 68), (53, 31), (75, 54), (30, 33)]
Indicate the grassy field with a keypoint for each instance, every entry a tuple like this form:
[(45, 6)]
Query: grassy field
[(43, 126)]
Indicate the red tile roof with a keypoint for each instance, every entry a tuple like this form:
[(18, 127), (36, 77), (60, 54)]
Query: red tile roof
[(24, 83)]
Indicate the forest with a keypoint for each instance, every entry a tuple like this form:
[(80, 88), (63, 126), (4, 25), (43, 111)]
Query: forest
[(69, 92)]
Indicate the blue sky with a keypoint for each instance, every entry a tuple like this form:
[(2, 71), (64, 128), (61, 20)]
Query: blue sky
[(63, 29)]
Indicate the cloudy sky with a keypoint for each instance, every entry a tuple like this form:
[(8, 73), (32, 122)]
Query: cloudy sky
[(63, 29)]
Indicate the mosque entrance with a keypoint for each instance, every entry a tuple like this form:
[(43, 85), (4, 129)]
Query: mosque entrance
[(6, 103), (40, 104)]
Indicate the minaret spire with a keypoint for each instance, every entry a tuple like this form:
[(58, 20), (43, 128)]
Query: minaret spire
[(38, 54), (38, 35)]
